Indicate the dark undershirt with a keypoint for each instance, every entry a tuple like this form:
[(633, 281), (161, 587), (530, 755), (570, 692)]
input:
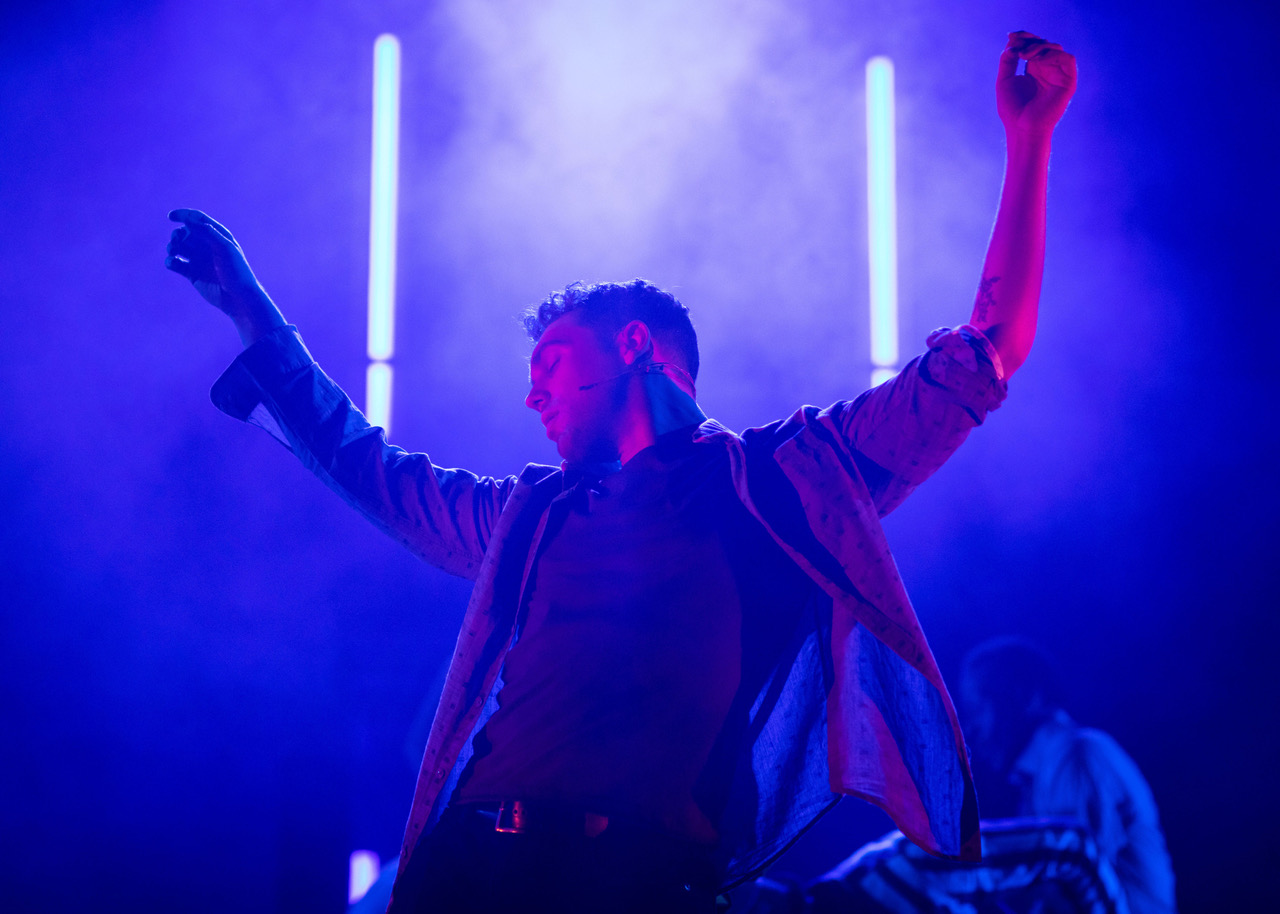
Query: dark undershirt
[(656, 607)]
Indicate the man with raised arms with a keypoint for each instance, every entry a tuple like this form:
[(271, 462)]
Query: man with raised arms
[(684, 644)]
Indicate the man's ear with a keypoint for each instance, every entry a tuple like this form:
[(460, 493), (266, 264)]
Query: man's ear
[(635, 343)]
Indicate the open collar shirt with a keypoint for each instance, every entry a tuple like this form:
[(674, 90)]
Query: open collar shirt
[(855, 705)]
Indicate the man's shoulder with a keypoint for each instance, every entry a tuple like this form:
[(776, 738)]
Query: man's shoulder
[(536, 473), (1091, 754), (772, 434), (1102, 754)]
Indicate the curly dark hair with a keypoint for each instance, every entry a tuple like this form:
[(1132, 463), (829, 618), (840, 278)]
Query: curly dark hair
[(609, 306)]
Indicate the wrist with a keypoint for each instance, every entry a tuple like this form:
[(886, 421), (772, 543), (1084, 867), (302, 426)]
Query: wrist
[(1028, 142), (255, 316)]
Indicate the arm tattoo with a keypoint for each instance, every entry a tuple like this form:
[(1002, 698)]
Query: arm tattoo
[(986, 300)]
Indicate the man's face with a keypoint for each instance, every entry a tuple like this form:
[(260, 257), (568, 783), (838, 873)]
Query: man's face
[(996, 726), (582, 423), (980, 724)]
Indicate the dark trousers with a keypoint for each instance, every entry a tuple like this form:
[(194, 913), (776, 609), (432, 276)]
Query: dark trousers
[(464, 866)]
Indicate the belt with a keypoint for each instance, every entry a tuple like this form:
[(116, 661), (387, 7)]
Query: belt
[(522, 817), (683, 864)]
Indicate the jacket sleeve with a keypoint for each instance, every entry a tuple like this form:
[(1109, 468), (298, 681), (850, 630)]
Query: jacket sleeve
[(903, 430), (445, 516)]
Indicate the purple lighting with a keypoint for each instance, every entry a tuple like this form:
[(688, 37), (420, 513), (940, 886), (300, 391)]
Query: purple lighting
[(218, 680)]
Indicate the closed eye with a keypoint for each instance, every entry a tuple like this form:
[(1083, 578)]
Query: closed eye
[(545, 357)]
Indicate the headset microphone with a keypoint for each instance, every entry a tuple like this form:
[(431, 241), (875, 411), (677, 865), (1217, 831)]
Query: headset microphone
[(643, 367), (615, 377)]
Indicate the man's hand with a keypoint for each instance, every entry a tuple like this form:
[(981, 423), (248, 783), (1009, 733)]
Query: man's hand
[(1032, 104), (209, 255)]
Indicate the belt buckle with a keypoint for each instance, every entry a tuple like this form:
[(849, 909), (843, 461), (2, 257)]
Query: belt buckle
[(511, 818)]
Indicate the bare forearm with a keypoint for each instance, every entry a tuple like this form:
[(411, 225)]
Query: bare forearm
[(254, 317), (1008, 298)]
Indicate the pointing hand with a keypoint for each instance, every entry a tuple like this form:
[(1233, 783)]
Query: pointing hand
[(206, 253)]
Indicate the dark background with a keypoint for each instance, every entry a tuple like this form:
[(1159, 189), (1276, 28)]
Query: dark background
[(215, 677)]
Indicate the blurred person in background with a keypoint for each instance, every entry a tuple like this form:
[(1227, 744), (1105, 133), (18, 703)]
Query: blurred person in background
[(1070, 825), (1032, 760)]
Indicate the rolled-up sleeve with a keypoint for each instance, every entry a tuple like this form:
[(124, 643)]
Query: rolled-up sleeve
[(907, 427), (445, 516)]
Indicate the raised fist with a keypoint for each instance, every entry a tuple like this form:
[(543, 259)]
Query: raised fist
[(1033, 102)]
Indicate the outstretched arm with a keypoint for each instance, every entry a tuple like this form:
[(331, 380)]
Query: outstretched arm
[(445, 516), (1029, 105)]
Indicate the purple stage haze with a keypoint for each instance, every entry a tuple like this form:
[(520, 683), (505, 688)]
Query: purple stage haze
[(216, 678)]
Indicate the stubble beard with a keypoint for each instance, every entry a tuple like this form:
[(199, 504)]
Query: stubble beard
[(591, 438)]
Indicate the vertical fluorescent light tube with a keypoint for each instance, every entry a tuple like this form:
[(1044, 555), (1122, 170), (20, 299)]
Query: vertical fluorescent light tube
[(882, 219), (362, 874), (382, 209), (382, 217), (377, 394)]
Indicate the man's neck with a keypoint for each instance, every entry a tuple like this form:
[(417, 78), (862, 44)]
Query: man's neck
[(657, 406)]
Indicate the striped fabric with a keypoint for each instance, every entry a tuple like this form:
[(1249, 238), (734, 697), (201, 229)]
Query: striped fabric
[(1029, 866)]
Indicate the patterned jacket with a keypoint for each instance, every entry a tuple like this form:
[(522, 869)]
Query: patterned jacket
[(855, 704)]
